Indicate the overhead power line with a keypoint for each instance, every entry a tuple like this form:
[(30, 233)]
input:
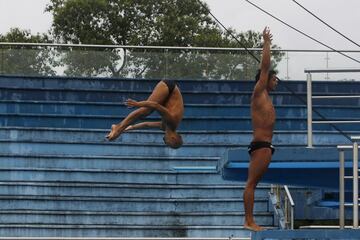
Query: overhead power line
[(297, 30), (228, 31), (347, 38)]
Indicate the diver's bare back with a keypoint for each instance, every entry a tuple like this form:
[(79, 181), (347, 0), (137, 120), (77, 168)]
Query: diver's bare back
[(263, 117), (175, 106)]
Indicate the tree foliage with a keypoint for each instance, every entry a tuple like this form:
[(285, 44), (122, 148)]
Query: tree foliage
[(178, 23)]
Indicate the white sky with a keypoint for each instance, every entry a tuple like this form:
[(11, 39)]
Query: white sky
[(25, 14), (342, 15)]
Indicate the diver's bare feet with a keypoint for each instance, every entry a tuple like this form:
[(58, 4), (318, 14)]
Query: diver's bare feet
[(115, 132), (253, 227)]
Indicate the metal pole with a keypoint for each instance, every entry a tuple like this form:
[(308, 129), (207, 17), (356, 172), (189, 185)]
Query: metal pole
[(2, 60), (166, 63), (341, 189), (287, 212), (287, 66), (292, 205), (355, 186), (327, 65), (292, 217), (309, 111)]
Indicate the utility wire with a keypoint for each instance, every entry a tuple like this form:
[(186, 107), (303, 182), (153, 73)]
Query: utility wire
[(228, 31), (325, 23), (289, 89), (306, 35)]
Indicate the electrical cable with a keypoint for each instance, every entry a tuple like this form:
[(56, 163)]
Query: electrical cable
[(306, 35), (347, 38)]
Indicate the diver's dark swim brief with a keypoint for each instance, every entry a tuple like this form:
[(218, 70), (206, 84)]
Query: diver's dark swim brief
[(257, 145), (171, 84)]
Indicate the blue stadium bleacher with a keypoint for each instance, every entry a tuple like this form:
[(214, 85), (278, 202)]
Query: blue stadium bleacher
[(60, 177)]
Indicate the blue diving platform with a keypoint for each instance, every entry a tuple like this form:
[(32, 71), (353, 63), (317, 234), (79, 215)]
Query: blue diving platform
[(307, 234), (297, 166)]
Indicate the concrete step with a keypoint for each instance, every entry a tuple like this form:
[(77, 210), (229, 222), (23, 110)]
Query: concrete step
[(91, 189), (113, 176), (209, 97), (185, 85), (104, 162), (112, 204), (70, 147), (119, 148), (118, 83), (89, 95), (155, 136), (96, 231), (188, 123), (131, 218), (191, 110)]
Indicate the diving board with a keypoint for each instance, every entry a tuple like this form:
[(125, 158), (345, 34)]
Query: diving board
[(307, 234)]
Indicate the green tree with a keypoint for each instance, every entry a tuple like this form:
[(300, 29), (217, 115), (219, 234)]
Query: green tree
[(26, 60), (183, 23), (240, 64)]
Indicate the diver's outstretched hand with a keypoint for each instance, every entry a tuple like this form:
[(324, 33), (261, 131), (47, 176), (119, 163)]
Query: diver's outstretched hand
[(267, 36)]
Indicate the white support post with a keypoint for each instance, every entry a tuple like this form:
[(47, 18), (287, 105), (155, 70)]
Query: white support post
[(355, 186), (309, 111), (341, 189)]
